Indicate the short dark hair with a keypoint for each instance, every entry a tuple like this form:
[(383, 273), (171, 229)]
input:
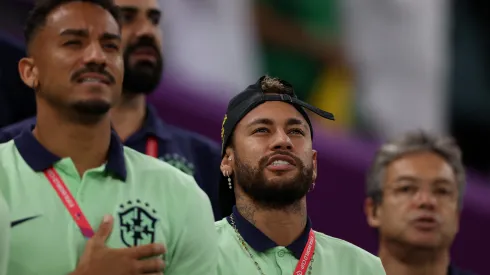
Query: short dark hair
[(273, 85), (412, 142), (37, 16)]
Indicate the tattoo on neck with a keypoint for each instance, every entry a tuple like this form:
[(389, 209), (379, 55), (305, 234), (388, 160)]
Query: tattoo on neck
[(247, 211), (299, 208)]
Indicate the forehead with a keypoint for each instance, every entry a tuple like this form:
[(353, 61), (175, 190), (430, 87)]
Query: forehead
[(423, 165), (276, 111), (140, 4), (81, 15)]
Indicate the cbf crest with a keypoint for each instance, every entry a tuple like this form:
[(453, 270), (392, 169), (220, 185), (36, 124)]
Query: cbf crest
[(137, 223), (179, 162)]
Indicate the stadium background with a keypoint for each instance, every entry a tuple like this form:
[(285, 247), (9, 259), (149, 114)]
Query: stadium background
[(413, 64)]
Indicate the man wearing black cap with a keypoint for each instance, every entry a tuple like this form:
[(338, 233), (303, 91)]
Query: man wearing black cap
[(268, 167)]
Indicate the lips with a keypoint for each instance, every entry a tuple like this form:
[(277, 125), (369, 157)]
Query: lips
[(281, 160), (93, 78), (426, 219), (426, 222)]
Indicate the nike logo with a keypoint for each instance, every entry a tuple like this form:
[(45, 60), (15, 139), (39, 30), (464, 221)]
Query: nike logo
[(17, 222)]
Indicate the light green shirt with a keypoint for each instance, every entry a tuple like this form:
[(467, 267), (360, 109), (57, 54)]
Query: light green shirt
[(4, 235), (331, 257), (150, 200)]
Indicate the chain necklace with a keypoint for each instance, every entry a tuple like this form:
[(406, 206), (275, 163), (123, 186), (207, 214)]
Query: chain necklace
[(244, 244)]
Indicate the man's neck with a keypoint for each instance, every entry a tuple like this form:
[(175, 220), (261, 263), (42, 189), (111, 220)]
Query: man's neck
[(129, 115), (86, 145), (399, 259), (282, 226)]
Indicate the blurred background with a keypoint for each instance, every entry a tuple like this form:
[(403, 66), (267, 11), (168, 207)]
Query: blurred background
[(381, 66)]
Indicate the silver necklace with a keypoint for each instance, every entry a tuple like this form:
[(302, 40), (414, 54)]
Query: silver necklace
[(244, 244)]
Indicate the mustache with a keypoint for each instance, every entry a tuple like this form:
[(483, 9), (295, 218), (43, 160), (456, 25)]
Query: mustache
[(143, 42), (92, 68), (264, 160)]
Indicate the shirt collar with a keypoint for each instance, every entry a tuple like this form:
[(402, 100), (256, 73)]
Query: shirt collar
[(260, 242), (154, 126), (40, 159)]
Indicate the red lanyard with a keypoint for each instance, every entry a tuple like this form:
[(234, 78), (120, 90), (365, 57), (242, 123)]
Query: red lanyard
[(152, 147), (69, 202), (306, 256)]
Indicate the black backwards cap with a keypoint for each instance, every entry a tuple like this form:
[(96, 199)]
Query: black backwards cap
[(239, 107)]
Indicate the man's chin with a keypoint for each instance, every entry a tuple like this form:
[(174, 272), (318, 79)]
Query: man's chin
[(94, 107), (281, 180), (424, 240)]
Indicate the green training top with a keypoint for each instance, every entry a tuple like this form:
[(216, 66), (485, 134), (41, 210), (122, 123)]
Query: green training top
[(150, 200), (4, 235), (331, 256)]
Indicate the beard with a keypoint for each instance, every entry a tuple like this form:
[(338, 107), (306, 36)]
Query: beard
[(84, 112), (91, 107), (90, 112), (143, 76), (276, 193)]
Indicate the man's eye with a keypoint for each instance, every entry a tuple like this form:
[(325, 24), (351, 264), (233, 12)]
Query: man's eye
[(72, 42), (127, 17), (261, 130), (297, 132)]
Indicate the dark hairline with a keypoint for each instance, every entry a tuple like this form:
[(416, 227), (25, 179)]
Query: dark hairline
[(38, 17)]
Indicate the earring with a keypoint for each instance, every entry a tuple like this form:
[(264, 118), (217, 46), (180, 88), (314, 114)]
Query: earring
[(312, 187), (229, 158), (229, 180)]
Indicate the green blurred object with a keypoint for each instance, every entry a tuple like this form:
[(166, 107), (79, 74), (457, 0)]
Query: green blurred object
[(317, 17)]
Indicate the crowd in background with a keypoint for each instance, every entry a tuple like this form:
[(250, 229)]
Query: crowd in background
[(383, 67)]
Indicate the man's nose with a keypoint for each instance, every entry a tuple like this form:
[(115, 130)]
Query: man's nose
[(95, 54), (282, 141)]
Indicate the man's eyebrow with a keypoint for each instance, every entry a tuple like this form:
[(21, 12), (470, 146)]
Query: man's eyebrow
[(74, 32), (265, 121), (110, 36), (154, 12), (295, 121), (132, 9), (84, 34)]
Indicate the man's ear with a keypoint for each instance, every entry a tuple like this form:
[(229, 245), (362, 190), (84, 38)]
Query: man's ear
[(227, 162), (28, 72), (371, 210)]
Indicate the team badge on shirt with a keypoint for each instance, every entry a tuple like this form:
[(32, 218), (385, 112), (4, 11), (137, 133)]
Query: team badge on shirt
[(137, 223), (179, 162)]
